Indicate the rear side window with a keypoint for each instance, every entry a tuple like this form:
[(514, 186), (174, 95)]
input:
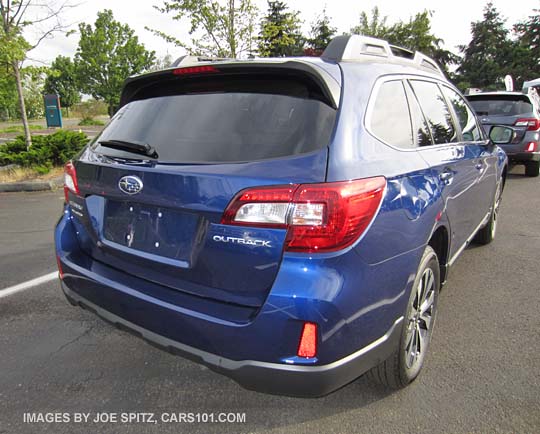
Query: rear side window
[(436, 111), (466, 118), (243, 119), (422, 135), (390, 119), (501, 105)]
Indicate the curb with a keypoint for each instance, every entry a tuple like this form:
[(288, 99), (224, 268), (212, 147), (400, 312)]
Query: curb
[(13, 187)]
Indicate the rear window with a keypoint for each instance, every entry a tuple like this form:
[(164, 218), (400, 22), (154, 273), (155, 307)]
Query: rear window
[(232, 120), (501, 105)]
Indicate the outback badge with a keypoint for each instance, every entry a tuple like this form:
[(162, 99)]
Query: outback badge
[(130, 184)]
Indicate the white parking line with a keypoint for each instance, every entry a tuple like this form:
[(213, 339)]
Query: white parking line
[(28, 284)]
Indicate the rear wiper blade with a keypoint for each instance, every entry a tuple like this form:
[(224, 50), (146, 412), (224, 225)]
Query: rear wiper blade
[(138, 148)]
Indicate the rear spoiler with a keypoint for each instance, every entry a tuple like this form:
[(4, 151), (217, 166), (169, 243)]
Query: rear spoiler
[(328, 86)]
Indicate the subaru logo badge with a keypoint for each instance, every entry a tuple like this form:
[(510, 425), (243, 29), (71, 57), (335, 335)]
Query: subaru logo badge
[(130, 184)]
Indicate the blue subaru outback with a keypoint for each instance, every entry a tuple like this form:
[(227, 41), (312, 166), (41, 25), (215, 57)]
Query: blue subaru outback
[(286, 222)]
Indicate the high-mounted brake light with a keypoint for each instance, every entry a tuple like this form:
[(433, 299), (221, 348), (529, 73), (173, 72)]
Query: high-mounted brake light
[(318, 217), (308, 341), (532, 124), (70, 180), (531, 147), (195, 70)]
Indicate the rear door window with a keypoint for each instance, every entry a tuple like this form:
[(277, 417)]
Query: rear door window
[(437, 113), (390, 120), (229, 121), (466, 119), (422, 135)]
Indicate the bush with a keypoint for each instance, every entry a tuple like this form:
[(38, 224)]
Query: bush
[(46, 151), (90, 121), (90, 109)]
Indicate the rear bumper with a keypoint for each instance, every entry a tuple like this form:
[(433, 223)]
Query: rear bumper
[(523, 156), (275, 378), (358, 308)]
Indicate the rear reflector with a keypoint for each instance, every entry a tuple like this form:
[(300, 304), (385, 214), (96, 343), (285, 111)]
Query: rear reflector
[(60, 271), (531, 147), (70, 180), (532, 124), (318, 217), (195, 70), (308, 341)]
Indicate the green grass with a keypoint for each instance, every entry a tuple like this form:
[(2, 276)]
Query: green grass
[(20, 129)]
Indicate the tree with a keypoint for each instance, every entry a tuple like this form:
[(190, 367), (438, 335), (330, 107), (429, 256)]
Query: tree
[(219, 28), (33, 80), (320, 36), (414, 35), (487, 57), (162, 63), (107, 54), (374, 26), (526, 55), (61, 80), (280, 34), (8, 94), (18, 16)]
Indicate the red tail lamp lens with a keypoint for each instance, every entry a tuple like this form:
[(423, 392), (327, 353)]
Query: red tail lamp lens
[(318, 217), (70, 180), (308, 341)]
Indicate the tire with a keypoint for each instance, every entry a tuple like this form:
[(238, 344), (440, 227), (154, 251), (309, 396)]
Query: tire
[(404, 365), (532, 168), (487, 234)]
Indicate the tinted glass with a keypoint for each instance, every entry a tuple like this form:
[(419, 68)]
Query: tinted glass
[(390, 120), (422, 136), (502, 105), (436, 111), (466, 118), (223, 125)]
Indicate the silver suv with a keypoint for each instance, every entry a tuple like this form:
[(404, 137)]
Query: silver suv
[(514, 109)]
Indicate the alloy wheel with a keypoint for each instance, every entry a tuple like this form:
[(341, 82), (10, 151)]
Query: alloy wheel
[(420, 321)]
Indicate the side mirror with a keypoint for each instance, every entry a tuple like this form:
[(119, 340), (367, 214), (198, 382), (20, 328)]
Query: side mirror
[(501, 135)]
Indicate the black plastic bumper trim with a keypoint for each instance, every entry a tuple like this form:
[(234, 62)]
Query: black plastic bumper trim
[(275, 378)]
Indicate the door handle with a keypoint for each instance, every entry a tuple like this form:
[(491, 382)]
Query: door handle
[(447, 176)]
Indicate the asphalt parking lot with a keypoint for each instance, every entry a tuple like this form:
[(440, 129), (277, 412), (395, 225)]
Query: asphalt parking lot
[(482, 375)]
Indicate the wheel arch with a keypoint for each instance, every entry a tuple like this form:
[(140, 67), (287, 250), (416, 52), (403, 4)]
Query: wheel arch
[(439, 242)]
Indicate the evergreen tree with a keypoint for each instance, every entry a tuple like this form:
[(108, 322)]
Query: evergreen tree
[(280, 34), (320, 36), (488, 56), (526, 56)]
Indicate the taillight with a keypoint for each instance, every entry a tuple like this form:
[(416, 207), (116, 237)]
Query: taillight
[(195, 70), (308, 341), (70, 180), (531, 147), (532, 124), (318, 217)]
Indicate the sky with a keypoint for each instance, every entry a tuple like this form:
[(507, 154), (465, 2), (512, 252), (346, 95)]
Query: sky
[(451, 20)]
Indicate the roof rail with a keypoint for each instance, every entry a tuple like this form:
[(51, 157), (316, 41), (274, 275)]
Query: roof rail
[(354, 47), (193, 60)]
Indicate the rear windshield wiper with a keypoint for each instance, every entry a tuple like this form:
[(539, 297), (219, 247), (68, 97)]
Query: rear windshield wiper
[(137, 148)]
